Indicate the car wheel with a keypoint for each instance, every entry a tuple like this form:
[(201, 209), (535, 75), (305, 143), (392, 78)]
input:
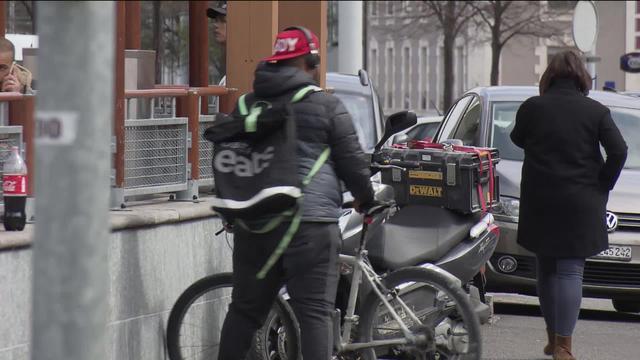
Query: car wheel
[(632, 306)]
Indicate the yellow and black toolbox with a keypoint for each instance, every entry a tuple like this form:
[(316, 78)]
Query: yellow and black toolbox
[(459, 178)]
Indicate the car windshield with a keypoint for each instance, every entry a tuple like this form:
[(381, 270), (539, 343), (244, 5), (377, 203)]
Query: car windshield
[(423, 131), (360, 107), (504, 115)]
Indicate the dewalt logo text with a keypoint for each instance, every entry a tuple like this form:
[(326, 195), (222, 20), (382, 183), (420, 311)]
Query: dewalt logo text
[(421, 190)]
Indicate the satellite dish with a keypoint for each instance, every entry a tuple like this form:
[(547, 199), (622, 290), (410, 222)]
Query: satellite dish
[(585, 25)]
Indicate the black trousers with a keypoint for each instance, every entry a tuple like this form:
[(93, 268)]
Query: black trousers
[(308, 268)]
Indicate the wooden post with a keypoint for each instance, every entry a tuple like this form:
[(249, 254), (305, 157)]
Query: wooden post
[(3, 17), (313, 16), (247, 45), (187, 106), (21, 113), (133, 25), (199, 47), (118, 116)]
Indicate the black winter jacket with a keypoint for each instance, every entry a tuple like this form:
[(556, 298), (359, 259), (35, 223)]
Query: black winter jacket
[(322, 121), (565, 181)]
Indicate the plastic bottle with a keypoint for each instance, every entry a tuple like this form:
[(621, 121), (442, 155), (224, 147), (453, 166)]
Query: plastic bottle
[(14, 188)]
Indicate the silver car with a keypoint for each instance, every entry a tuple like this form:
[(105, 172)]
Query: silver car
[(485, 117)]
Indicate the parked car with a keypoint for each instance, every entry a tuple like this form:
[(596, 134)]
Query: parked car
[(424, 130), (485, 117), (359, 96)]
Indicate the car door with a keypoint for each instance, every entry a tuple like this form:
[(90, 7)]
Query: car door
[(450, 122)]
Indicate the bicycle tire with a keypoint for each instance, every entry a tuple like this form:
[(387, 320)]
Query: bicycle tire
[(438, 281), (259, 348)]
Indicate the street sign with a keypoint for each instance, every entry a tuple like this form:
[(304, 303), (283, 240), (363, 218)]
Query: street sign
[(585, 25), (630, 62)]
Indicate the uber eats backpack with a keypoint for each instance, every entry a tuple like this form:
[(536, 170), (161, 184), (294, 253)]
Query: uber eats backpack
[(255, 167)]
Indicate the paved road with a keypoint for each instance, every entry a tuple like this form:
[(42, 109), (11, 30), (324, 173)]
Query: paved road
[(517, 331)]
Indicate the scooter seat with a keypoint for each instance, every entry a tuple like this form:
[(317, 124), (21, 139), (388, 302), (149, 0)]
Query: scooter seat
[(417, 234)]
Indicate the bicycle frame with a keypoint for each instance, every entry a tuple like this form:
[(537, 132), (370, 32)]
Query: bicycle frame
[(362, 269)]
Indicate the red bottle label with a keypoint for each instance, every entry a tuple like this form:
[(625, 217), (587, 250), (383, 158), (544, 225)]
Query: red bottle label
[(14, 185)]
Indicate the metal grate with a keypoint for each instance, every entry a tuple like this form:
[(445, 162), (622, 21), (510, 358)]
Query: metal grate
[(600, 273), (155, 154), (629, 221), (206, 152), (612, 274), (9, 136)]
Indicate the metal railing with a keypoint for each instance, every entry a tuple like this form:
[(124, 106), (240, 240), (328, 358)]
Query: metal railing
[(206, 153), (164, 151), (156, 156)]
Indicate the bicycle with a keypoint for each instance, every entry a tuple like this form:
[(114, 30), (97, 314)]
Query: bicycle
[(411, 313)]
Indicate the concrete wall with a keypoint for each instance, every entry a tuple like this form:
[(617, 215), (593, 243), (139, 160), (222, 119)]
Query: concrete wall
[(148, 269)]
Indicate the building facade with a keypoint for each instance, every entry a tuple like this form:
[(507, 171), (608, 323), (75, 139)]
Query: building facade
[(404, 52), (404, 57)]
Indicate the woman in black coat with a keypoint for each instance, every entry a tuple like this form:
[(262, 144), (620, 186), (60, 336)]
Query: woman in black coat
[(565, 188)]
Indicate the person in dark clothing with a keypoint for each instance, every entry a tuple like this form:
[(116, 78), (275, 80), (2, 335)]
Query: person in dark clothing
[(565, 188), (309, 265)]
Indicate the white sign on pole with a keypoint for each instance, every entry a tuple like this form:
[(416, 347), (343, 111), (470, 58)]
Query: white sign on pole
[(585, 25)]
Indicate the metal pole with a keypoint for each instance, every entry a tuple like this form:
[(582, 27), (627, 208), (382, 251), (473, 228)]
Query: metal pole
[(349, 36), (592, 59), (74, 115)]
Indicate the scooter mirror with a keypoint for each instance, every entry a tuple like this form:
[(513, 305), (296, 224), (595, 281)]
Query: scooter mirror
[(396, 123)]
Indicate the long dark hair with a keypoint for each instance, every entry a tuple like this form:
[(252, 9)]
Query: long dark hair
[(568, 65)]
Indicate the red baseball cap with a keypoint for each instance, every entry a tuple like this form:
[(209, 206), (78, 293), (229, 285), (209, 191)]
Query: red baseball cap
[(292, 43)]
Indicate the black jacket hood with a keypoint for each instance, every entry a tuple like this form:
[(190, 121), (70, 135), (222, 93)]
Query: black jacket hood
[(274, 81)]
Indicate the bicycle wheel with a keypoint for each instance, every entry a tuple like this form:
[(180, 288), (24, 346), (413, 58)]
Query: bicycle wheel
[(195, 324), (447, 328)]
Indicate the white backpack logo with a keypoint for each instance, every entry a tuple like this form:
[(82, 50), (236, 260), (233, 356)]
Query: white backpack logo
[(228, 161)]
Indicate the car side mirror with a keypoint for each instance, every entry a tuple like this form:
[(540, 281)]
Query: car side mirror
[(395, 123), (400, 139)]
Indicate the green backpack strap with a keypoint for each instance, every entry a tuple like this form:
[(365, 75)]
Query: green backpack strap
[(251, 116), (297, 218), (300, 94)]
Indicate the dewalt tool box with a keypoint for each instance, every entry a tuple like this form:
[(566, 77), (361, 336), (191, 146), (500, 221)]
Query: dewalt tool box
[(457, 178)]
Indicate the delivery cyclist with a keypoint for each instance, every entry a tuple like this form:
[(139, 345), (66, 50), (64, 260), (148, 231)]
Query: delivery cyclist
[(309, 265)]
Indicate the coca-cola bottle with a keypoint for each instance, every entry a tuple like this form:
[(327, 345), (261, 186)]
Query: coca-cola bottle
[(14, 188)]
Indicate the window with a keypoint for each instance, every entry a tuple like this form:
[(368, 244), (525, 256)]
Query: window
[(469, 129), (503, 116), (374, 64), (360, 108), (165, 29), (452, 118), (390, 78), (390, 7), (561, 5), (374, 7), (332, 23), (637, 24), (406, 81), (424, 86), (423, 132), (20, 17), (637, 42)]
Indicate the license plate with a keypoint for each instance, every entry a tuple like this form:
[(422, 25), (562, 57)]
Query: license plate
[(620, 253)]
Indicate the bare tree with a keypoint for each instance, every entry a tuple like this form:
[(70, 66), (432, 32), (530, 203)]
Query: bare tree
[(452, 17), (508, 19)]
